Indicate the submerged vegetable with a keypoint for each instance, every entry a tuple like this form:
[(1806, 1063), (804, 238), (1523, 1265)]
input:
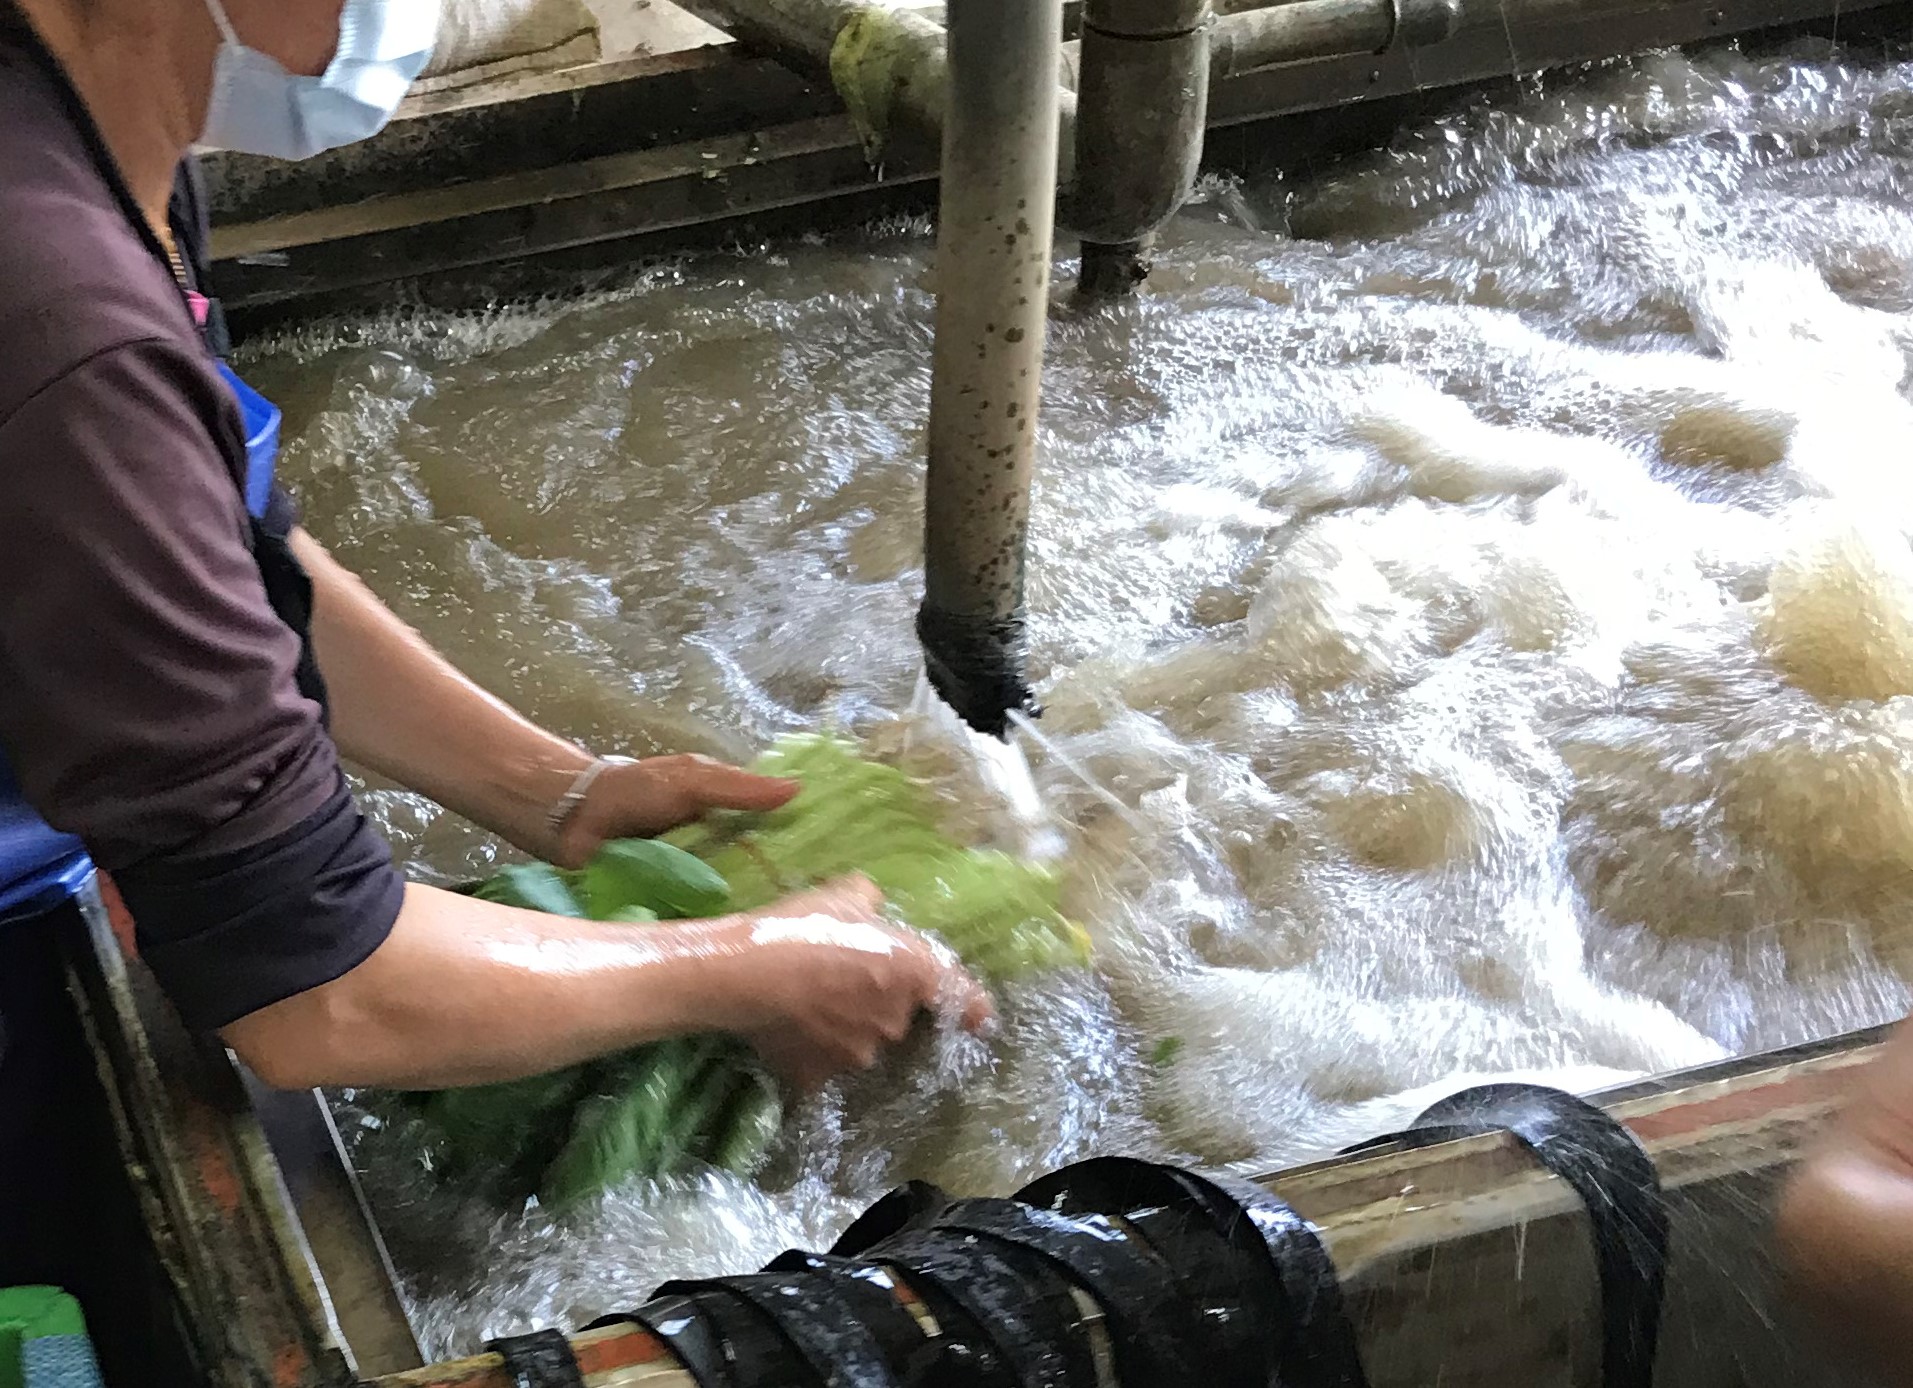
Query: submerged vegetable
[(658, 1109)]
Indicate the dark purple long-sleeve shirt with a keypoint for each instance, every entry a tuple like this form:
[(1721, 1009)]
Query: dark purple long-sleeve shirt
[(148, 701)]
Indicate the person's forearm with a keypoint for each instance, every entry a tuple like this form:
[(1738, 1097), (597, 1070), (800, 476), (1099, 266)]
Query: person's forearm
[(465, 992), (1846, 1219), (402, 710)]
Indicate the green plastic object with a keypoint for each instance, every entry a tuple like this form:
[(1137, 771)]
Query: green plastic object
[(671, 1106), (36, 1319)]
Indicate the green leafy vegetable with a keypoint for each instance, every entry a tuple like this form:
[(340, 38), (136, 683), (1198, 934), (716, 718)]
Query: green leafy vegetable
[(658, 1109), (531, 887), (653, 876), (634, 915), (1000, 913)]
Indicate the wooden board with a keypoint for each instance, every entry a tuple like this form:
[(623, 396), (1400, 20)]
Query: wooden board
[(1468, 1266)]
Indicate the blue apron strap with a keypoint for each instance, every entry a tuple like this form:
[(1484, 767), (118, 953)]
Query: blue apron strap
[(39, 866), (261, 418)]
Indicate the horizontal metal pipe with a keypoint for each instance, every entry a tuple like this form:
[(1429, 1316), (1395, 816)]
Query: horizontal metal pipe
[(1248, 39), (1298, 31), (891, 67)]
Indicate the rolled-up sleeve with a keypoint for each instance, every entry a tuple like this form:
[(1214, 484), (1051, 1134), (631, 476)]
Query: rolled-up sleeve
[(149, 702)]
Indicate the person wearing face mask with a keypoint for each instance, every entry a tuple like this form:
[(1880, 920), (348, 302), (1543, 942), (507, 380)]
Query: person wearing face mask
[(182, 667)]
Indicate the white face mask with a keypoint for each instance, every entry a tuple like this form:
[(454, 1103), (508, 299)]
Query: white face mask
[(260, 108)]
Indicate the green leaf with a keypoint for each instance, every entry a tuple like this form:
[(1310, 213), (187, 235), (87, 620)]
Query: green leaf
[(531, 887), (633, 915), (658, 1108), (1166, 1051), (655, 876), (748, 1125), (509, 1131), (615, 1132)]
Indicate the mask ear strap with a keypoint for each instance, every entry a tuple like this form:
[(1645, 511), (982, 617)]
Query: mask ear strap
[(220, 18)]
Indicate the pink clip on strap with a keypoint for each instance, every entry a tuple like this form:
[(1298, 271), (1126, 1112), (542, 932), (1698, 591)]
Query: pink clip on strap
[(201, 307)]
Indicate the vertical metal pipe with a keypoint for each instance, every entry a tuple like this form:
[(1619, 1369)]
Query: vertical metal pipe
[(993, 264), (1143, 108)]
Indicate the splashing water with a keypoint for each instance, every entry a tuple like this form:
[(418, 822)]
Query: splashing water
[(1476, 631)]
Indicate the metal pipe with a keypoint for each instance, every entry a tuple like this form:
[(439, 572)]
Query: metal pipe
[(1304, 29), (994, 236), (1245, 40), (891, 67), (1142, 112)]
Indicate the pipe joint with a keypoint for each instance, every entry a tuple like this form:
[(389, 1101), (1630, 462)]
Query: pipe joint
[(1145, 19), (1418, 23), (1142, 110)]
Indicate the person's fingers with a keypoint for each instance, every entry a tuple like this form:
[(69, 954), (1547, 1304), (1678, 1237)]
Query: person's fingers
[(855, 892), (955, 992), (715, 786), (979, 1013)]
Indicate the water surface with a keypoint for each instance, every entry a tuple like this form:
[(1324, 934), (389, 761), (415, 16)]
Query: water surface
[(1477, 584)]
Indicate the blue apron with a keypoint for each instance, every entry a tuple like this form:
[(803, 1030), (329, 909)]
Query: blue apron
[(41, 868)]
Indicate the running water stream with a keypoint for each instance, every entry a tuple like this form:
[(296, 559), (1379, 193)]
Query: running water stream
[(1472, 596)]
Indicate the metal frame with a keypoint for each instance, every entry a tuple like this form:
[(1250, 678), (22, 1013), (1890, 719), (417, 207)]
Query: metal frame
[(250, 1263), (464, 201)]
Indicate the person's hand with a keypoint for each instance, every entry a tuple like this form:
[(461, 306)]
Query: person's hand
[(826, 985), (650, 797)]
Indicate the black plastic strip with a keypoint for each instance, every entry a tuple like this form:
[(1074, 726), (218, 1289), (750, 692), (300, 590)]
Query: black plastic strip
[(1023, 1308), (542, 1359), (958, 1354), (679, 1324), (1229, 1281), (819, 1319), (1316, 1345), (870, 1294), (722, 1340), (1146, 1316), (910, 1206), (966, 1351), (1607, 1167)]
